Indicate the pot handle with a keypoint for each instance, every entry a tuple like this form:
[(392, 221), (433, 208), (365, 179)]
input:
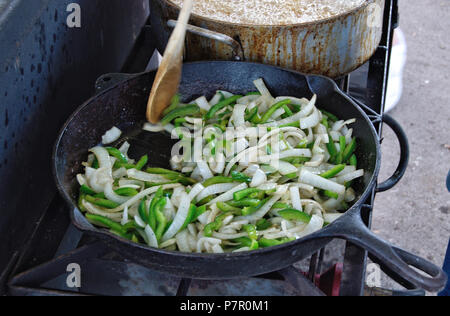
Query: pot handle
[(394, 261), (404, 154), (238, 52)]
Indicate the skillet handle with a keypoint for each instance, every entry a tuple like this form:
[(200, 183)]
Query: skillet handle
[(404, 154), (395, 261), (238, 52)]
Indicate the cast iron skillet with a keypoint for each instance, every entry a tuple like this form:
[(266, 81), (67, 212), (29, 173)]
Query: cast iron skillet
[(124, 104)]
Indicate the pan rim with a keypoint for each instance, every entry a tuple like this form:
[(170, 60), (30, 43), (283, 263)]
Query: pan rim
[(354, 209)]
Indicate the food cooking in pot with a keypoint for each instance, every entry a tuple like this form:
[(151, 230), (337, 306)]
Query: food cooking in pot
[(271, 12), (250, 171)]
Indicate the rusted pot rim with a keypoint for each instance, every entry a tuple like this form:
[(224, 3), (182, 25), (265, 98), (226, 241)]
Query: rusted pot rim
[(321, 21)]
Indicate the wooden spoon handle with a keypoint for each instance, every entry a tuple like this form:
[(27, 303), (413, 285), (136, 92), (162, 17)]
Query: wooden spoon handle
[(168, 76)]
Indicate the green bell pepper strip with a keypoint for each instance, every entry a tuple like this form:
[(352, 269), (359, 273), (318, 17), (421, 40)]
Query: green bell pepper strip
[(342, 143), (247, 242), (101, 202), (117, 154), (264, 243), (303, 144), (349, 150), (331, 194), (126, 192), (152, 208), (295, 215), (257, 195), (333, 172), (151, 184), (330, 116), (224, 207), (251, 114), (175, 102), (127, 166), (240, 177), (219, 106), (116, 227), (331, 147), (199, 211), (184, 111), (205, 200), (252, 93), (95, 164), (217, 180), (160, 218), (251, 231), (214, 226), (287, 111), (179, 178), (190, 217), (142, 210), (162, 171), (353, 161), (293, 124), (280, 205), (142, 162), (253, 209), (272, 110), (244, 202), (239, 195), (263, 224), (81, 197), (325, 122), (87, 190)]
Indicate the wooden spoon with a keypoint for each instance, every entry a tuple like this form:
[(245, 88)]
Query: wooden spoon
[(168, 76)]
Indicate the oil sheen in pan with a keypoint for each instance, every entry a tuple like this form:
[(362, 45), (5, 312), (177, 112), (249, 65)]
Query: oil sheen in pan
[(271, 12)]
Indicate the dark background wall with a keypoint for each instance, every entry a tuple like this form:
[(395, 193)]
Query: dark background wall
[(46, 71)]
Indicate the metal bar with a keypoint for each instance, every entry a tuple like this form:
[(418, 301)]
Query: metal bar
[(303, 286), (184, 287), (355, 258)]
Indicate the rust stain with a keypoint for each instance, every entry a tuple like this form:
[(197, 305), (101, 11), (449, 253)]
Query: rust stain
[(317, 52)]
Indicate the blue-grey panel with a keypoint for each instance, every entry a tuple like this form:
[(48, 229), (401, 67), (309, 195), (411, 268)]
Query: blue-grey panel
[(46, 70)]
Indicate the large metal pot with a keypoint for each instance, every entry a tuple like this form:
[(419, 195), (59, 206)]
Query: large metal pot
[(331, 47)]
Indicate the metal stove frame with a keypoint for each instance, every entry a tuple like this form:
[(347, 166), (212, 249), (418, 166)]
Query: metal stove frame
[(52, 247)]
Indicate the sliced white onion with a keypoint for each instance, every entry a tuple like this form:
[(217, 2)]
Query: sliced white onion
[(284, 167), (259, 178), (153, 128), (143, 194), (227, 196), (261, 212), (331, 217), (295, 198), (179, 219), (350, 176), (215, 189), (196, 190), (102, 156), (239, 115), (182, 241), (144, 176), (111, 136), (203, 103), (319, 182), (124, 216), (139, 221), (262, 88), (310, 121), (307, 110), (204, 170), (315, 224), (152, 240), (112, 196)]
